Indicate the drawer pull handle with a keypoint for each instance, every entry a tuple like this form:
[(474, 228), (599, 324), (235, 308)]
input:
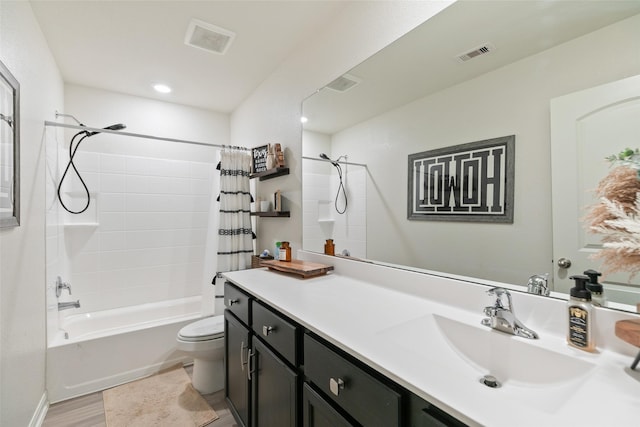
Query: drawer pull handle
[(233, 301), (336, 385), (266, 330)]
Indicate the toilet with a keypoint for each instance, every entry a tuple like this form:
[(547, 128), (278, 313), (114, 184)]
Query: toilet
[(204, 341)]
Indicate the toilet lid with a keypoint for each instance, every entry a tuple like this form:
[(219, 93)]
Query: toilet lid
[(204, 329)]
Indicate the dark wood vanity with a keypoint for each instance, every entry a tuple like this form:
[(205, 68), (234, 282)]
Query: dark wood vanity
[(279, 374)]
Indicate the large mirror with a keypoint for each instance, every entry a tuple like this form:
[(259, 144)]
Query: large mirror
[(475, 71)]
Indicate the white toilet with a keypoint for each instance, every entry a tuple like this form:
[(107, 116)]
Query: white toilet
[(204, 341)]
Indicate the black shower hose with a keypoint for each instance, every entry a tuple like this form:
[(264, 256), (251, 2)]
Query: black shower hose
[(72, 153)]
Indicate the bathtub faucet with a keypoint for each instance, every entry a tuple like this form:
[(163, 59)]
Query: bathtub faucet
[(68, 305), (60, 285)]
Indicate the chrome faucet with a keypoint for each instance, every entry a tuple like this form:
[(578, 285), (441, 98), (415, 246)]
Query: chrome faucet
[(539, 284), (68, 305), (502, 318)]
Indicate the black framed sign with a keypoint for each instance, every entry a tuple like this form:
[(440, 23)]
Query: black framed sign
[(9, 149), (259, 155), (469, 182)]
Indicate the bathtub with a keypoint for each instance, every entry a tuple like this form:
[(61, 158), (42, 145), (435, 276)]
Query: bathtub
[(95, 351)]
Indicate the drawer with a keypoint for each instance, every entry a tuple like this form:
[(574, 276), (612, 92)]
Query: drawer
[(424, 414), (237, 301), (368, 400), (278, 332)]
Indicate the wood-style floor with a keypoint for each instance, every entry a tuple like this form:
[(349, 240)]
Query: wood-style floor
[(88, 411)]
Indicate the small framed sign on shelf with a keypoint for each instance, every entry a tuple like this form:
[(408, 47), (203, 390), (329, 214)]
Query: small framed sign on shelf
[(259, 155)]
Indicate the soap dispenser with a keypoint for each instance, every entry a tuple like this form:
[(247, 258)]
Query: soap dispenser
[(579, 309), (596, 289)]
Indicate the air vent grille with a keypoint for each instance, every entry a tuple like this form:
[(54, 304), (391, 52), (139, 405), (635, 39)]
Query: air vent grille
[(209, 37), (480, 50), (344, 83)]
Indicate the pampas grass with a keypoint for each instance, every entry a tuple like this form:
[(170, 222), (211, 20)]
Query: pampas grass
[(617, 219)]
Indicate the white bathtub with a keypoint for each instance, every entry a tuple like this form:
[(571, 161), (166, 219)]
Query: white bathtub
[(95, 351)]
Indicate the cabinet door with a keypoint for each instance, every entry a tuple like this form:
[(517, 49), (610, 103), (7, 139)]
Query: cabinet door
[(274, 388), (236, 337), (317, 412)]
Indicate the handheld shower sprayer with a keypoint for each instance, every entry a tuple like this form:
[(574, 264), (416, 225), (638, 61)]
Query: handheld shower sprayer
[(325, 157), (117, 126), (72, 153), (340, 185)]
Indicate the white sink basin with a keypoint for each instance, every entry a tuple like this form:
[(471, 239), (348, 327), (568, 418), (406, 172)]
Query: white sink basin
[(509, 358)]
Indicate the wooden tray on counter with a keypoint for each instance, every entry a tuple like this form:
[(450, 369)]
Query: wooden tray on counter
[(301, 268)]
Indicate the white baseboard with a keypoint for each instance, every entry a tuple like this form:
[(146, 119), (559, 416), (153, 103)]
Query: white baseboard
[(41, 411)]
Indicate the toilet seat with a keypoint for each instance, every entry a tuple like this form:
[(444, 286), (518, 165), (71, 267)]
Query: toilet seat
[(203, 330)]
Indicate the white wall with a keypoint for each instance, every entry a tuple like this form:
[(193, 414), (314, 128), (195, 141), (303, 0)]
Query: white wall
[(24, 51), (511, 100), (272, 113)]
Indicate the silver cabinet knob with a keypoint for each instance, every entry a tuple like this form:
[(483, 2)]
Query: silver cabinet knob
[(266, 330), (230, 302), (564, 263), (335, 385)]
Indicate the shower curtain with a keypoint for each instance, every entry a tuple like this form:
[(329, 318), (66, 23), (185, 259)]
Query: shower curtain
[(235, 237)]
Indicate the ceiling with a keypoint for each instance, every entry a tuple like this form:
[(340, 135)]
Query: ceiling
[(424, 61), (127, 46)]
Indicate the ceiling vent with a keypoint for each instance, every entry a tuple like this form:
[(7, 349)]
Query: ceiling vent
[(209, 37), (481, 50), (344, 83)]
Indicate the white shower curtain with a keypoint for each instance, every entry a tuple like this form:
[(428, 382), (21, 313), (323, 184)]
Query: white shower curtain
[(235, 237)]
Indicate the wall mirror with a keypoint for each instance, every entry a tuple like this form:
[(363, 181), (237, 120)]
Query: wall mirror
[(9, 149), (475, 71)]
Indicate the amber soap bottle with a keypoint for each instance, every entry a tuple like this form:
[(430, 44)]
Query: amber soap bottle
[(329, 247), (285, 252)]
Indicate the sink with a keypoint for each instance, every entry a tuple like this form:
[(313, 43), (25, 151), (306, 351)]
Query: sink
[(509, 358)]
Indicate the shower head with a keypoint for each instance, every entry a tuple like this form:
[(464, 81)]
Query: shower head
[(117, 126), (325, 157)]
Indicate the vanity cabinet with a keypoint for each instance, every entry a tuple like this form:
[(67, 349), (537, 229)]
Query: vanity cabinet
[(280, 375), (261, 354)]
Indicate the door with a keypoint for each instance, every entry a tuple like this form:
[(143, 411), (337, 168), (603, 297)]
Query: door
[(274, 388), (318, 412), (587, 127), (236, 349)]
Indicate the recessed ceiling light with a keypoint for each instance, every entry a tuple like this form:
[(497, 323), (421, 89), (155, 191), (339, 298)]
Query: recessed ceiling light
[(162, 88), (303, 119)]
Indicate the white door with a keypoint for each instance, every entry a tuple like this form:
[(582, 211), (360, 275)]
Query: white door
[(586, 127)]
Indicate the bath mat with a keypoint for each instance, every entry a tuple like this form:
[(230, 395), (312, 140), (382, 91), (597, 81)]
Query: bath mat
[(166, 399)]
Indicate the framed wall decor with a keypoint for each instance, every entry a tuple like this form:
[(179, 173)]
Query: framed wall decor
[(259, 156), (469, 182), (9, 149)]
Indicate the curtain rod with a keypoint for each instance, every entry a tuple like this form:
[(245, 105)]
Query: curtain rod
[(333, 161), (139, 135)]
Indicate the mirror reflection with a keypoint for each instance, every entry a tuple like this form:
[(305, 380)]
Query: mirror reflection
[(476, 71)]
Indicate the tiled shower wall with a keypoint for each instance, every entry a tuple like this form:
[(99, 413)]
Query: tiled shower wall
[(321, 221), (143, 239)]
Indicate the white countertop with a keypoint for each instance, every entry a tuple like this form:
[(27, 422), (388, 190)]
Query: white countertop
[(398, 333)]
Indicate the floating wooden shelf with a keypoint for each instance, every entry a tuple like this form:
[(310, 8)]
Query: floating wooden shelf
[(270, 173), (284, 214)]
